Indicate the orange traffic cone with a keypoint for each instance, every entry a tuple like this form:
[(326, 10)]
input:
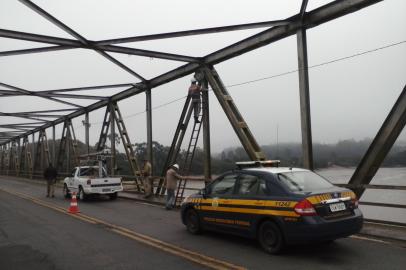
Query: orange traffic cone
[(73, 208)]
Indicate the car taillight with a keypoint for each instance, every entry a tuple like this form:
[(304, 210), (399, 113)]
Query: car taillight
[(89, 182), (305, 208)]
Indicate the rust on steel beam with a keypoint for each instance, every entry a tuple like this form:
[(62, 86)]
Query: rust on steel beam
[(381, 145)]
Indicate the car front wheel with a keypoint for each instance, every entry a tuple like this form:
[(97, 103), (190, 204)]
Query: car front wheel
[(113, 196), (66, 193), (192, 221), (82, 195), (270, 237)]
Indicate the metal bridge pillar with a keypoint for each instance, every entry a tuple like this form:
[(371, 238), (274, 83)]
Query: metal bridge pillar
[(307, 147), (381, 145), (206, 130), (68, 140), (53, 146), (43, 156), (87, 129), (149, 126), (113, 141)]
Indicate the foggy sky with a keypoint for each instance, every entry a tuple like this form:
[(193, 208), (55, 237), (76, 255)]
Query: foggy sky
[(349, 99)]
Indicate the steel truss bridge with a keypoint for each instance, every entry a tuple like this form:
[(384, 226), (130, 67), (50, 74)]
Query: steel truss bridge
[(19, 158)]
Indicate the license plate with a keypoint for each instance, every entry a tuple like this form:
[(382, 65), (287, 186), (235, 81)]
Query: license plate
[(106, 190), (335, 207)]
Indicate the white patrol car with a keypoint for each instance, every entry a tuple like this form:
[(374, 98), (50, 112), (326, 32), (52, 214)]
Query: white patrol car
[(91, 180)]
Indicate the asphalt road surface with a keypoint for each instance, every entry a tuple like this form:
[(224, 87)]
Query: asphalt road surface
[(37, 233)]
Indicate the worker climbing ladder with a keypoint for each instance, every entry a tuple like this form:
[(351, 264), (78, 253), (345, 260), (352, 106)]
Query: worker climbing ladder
[(187, 163), (176, 145), (237, 121)]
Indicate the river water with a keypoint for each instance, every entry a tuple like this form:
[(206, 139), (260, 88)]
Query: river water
[(384, 176)]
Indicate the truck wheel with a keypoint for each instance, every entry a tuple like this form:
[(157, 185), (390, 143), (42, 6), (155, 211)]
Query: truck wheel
[(192, 221), (113, 196), (270, 237), (82, 195), (66, 192)]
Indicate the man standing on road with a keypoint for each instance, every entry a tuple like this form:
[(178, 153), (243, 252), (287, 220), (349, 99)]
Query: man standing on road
[(50, 174), (171, 180), (194, 92), (147, 177)]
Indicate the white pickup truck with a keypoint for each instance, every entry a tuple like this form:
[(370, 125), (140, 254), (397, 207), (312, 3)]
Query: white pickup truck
[(91, 180)]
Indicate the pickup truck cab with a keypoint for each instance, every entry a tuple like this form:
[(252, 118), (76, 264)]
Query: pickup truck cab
[(87, 181)]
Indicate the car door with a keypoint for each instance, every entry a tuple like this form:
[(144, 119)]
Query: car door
[(250, 195), (214, 207), (71, 179)]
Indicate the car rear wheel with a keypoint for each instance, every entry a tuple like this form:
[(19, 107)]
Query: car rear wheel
[(66, 193), (270, 237), (192, 221), (82, 195)]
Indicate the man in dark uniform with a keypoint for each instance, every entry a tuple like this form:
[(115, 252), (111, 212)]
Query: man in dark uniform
[(50, 174)]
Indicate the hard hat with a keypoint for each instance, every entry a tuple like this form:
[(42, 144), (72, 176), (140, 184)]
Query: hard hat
[(176, 166), (193, 79)]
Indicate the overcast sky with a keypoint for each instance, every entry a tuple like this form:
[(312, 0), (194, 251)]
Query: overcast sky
[(349, 99)]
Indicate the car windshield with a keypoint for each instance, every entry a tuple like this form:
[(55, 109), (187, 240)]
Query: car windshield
[(303, 181)]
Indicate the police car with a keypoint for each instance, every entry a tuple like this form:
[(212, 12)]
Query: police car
[(278, 206)]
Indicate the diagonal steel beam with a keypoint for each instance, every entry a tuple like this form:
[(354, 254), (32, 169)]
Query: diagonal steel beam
[(36, 50), (311, 19), (70, 43), (22, 116), (76, 35), (37, 115), (31, 93), (38, 38), (55, 95), (46, 111), (194, 32), (73, 96), (303, 8), (381, 145), (86, 88)]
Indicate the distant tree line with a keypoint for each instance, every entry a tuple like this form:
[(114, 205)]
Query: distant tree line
[(345, 153)]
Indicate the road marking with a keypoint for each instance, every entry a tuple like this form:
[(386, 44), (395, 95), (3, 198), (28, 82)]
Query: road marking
[(192, 256), (368, 239)]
